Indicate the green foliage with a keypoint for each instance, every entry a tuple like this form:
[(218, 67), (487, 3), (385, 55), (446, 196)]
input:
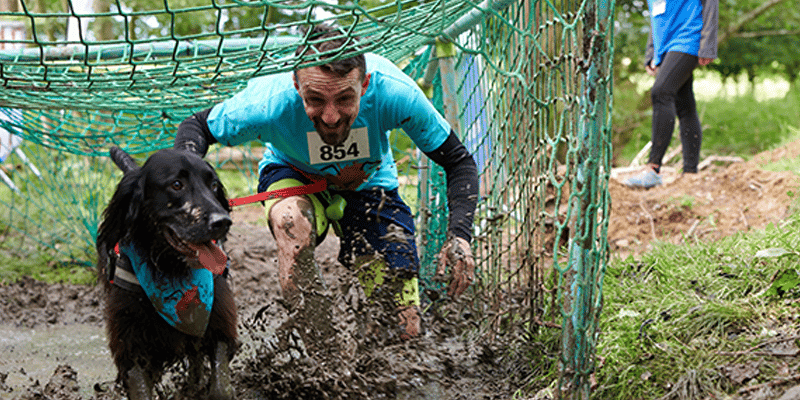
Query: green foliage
[(682, 201), (785, 282), (767, 48), (181, 19), (193, 19), (630, 39), (727, 130), (42, 267)]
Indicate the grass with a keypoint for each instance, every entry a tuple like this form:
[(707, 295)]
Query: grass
[(683, 201), (677, 314), (47, 230), (43, 267), (766, 124), (786, 164)]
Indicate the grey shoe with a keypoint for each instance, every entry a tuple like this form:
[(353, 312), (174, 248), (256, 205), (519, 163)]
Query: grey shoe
[(645, 180)]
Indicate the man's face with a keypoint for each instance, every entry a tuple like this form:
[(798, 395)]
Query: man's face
[(331, 101)]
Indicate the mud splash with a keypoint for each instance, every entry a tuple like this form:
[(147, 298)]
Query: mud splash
[(282, 355)]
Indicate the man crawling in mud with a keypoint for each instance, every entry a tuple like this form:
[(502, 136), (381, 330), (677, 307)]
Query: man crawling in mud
[(327, 127)]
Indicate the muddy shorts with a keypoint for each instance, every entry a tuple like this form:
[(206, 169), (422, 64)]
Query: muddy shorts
[(375, 221)]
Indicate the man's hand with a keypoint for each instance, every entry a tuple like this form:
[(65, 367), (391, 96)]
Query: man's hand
[(456, 253), (703, 61)]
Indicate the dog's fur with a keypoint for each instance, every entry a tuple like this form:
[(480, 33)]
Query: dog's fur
[(175, 198)]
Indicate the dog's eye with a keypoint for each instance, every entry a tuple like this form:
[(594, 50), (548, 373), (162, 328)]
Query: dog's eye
[(214, 186), (177, 185)]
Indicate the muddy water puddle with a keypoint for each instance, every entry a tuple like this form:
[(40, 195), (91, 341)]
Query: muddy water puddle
[(30, 355)]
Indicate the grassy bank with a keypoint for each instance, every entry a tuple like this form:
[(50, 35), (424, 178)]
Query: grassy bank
[(684, 319)]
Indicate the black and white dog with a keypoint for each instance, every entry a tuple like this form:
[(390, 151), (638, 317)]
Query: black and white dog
[(165, 277)]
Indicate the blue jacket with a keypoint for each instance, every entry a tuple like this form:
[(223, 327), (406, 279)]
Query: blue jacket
[(686, 26)]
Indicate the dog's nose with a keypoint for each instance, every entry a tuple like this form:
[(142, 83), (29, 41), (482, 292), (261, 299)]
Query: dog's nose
[(219, 222)]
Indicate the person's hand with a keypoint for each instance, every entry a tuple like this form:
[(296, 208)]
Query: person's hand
[(457, 254), (704, 61), (651, 69)]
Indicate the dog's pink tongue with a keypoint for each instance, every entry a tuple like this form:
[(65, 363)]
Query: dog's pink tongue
[(211, 257)]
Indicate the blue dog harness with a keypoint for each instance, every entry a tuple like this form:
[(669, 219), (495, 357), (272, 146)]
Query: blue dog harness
[(184, 303)]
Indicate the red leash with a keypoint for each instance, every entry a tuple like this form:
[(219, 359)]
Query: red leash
[(316, 187)]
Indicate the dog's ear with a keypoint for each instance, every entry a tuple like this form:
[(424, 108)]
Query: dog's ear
[(130, 189), (136, 191), (122, 211), (123, 160)]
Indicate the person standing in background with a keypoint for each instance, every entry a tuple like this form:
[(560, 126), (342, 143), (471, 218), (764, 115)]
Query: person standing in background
[(683, 36)]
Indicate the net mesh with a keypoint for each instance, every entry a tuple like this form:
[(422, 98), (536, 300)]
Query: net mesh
[(526, 84)]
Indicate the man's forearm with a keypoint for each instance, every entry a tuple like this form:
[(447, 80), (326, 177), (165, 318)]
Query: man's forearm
[(462, 184), (193, 134), (462, 198)]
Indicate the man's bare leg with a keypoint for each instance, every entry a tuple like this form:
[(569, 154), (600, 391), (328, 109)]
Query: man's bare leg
[(293, 224)]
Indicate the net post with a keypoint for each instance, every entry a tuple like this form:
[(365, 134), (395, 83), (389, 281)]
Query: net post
[(588, 246), (446, 53)]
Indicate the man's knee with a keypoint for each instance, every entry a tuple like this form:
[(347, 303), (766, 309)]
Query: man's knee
[(292, 220)]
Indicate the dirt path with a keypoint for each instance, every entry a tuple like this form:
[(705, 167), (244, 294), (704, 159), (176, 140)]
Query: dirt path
[(52, 344), (716, 202)]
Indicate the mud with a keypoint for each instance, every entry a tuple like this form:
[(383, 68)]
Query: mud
[(54, 347)]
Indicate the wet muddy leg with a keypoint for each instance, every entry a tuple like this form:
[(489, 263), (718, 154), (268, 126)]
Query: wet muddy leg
[(301, 282), (396, 290), (138, 383), (221, 387)]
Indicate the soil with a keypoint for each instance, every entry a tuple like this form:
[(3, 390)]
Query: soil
[(718, 201), (282, 357)]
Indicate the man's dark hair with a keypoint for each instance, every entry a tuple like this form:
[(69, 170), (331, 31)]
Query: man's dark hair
[(338, 40)]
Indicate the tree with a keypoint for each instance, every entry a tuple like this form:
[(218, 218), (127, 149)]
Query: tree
[(760, 40)]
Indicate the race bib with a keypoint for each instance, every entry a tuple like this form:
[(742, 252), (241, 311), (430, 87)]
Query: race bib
[(659, 7), (355, 147)]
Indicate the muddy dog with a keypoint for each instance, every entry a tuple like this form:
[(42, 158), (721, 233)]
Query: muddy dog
[(167, 296)]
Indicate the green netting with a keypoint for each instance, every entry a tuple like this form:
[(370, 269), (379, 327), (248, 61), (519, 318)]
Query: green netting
[(526, 84)]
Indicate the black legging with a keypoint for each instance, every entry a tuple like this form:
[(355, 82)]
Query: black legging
[(672, 95)]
